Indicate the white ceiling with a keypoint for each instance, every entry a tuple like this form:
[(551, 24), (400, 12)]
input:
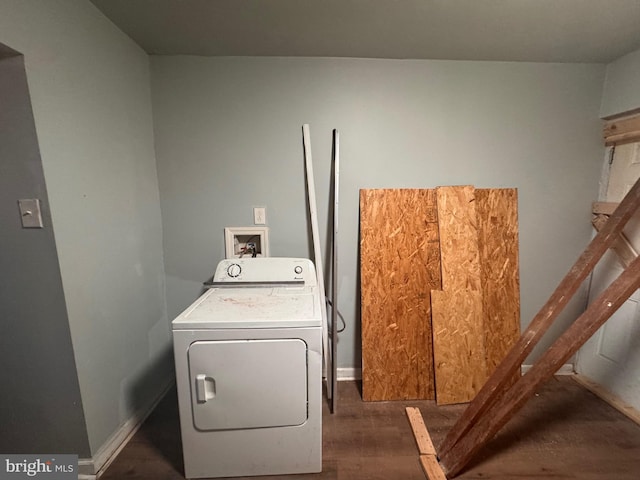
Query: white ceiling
[(505, 30)]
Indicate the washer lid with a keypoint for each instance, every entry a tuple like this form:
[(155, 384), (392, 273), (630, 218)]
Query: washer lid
[(253, 308)]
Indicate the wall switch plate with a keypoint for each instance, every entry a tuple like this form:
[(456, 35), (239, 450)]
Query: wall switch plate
[(259, 215), (30, 213)]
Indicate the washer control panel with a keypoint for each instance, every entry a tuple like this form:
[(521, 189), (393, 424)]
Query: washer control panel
[(266, 270), (234, 270)]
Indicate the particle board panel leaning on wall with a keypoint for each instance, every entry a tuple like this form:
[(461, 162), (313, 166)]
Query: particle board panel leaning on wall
[(457, 224), (458, 331), (458, 346), (497, 213), (399, 265)]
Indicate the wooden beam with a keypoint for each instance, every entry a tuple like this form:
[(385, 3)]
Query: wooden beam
[(432, 468), (562, 349), (420, 433), (428, 458), (501, 379), (604, 208), (623, 130), (621, 246)]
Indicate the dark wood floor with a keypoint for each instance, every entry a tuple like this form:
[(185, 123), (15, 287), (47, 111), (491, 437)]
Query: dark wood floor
[(564, 432)]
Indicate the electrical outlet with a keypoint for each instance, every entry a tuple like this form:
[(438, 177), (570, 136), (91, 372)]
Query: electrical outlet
[(259, 215)]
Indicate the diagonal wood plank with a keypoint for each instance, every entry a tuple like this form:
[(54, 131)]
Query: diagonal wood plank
[(420, 433), (432, 468), (428, 458), (494, 388), (598, 312)]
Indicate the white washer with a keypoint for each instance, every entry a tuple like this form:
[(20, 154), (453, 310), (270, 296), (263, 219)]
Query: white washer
[(248, 357)]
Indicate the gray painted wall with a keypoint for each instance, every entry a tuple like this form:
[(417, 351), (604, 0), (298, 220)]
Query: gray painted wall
[(90, 92), (621, 92), (228, 137), (40, 405)]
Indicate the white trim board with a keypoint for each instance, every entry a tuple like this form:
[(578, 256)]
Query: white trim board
[(609, 397), (349, 373), (92, 468), (352, 373)]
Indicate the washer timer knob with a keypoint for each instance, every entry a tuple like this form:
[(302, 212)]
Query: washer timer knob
[(234, 270), (298, 269)]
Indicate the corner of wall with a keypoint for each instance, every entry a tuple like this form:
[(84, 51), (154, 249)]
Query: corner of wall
[(621, 89)]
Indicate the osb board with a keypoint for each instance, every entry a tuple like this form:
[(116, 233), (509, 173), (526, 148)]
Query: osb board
[(458, 345), (497, 212), (399, 264), (458, 238)]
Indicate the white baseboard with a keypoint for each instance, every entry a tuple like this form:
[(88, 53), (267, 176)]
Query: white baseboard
[(351, 373), (609, 397), (566, 369), (92, 468)]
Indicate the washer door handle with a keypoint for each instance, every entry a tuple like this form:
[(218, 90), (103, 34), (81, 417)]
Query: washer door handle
[(205, 388)]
